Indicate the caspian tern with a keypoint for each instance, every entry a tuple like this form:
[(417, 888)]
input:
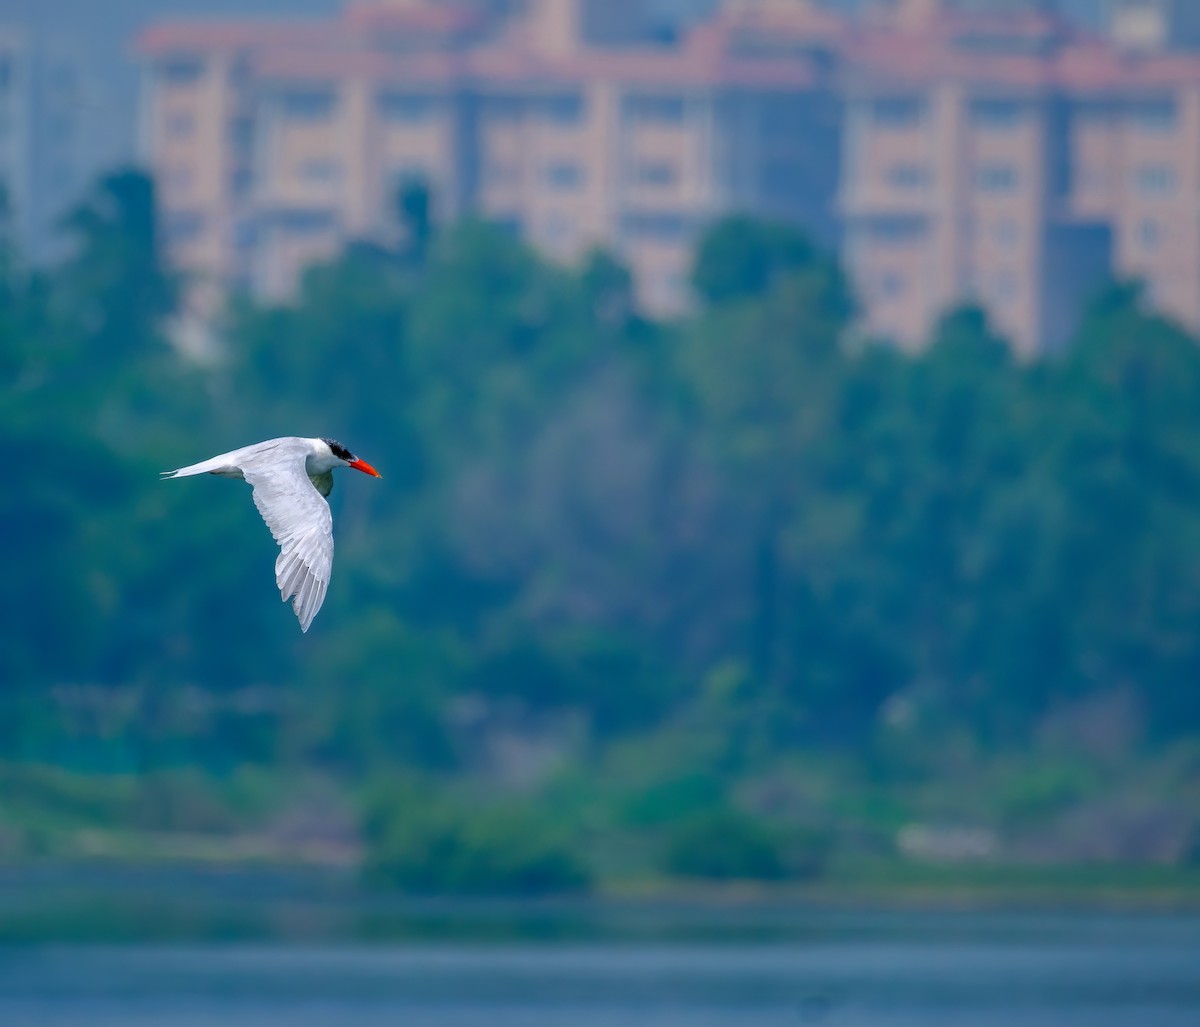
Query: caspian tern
[(291, 478)]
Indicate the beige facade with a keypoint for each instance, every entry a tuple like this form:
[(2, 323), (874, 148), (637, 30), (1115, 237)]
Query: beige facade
[(1010, 162), (956, 155), (951, 202), (274, 147)]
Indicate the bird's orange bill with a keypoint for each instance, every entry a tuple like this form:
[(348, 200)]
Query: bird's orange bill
[(366, 468)]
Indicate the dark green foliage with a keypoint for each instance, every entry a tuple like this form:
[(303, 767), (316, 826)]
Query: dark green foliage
[(725, 844), (421, 841), (414, 205), (741, 257), (588, 520)]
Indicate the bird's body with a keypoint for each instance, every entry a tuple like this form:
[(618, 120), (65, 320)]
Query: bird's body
[(291, 478)]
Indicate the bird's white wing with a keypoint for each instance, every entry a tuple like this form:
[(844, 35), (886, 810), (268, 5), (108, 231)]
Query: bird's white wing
[(301, 523)]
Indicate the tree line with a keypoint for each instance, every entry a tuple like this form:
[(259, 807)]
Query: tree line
[(586, 513)]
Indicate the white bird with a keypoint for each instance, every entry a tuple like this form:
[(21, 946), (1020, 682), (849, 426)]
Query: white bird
[(291, 478)]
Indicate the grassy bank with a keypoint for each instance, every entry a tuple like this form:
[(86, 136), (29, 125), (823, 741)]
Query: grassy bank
[(189, 903)]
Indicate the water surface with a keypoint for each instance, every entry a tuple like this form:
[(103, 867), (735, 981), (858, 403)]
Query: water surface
[(838, 968)]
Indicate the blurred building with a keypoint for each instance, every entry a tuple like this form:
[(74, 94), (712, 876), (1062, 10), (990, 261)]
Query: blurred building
[(575, 123), (45, 140), (958, 150), (957, 181), (1010, 160), (1155, 24), (14, 107)]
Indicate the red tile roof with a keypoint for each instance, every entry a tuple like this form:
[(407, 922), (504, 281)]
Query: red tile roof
[(640, 67), (348, 56), (960, 51), (349, 62), (762, 50), (426, 18)]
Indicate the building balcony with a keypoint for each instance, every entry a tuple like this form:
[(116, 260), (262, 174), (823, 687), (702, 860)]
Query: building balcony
[(881, 200)]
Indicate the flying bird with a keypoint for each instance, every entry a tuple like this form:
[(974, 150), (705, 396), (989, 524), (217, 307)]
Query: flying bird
[(291, 478)]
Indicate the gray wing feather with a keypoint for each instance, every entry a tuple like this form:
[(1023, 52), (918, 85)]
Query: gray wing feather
[(301, 523)]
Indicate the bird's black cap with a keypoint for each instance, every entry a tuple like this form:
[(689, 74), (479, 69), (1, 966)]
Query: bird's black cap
[(340, 451)]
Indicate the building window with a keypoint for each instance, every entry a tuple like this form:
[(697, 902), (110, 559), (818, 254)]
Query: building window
[(655, 109), (241, 181), (563, 175), (562, 108), (502, 108), (407, 108), (654, 172), (997, 114), (1154, 115), (893, 230), (1095, 113), (1149, 234), (996, 178), (305, 222), (320, 171), (245, 234), (181, 71), (660, 225), (241, 133), (308, 104), (1155, 179), (908, 176), (897, 111)]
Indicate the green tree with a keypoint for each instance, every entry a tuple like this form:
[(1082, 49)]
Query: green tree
[(765, 372), (1121, 441), (414, 207), (742, 257)]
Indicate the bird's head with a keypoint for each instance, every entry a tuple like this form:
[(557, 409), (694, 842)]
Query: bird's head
[(347, 459)]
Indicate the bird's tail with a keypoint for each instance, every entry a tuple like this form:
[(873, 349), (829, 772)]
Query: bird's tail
[(217, 465)]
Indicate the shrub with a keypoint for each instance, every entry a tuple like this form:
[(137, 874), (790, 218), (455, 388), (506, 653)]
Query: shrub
[(728, 845), (436, 846)]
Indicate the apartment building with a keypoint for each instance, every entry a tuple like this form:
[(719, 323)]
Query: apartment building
[(957, 150), (956, 176), (1154, 24), (45, 143), (1013, 162), (14, 112), (274, 144)]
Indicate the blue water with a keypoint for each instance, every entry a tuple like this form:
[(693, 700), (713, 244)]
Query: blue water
[(851, 969)]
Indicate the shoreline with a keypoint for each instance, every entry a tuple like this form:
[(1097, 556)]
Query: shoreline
[(181, 903)]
